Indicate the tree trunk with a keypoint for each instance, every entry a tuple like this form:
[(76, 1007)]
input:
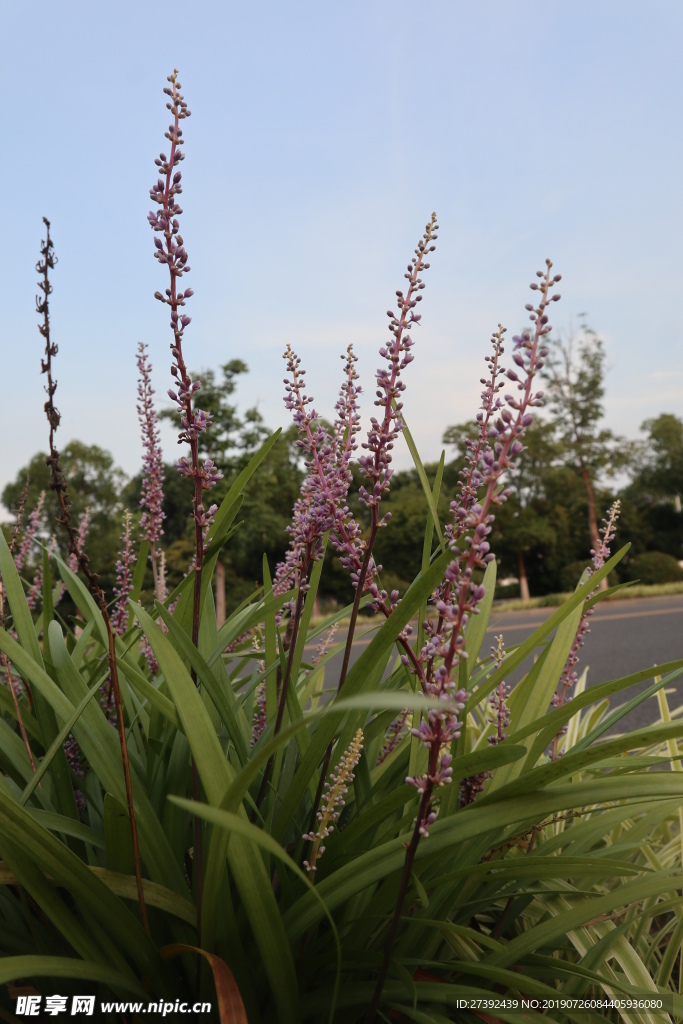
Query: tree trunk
[(523, 581), (220, 593), (592, 518)]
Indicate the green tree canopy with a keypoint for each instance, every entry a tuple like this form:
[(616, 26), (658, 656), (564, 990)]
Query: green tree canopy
[(94, 483), (660, 464), (575, 376)]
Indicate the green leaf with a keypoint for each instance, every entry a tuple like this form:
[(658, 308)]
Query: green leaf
[(478, 624), (222, 523), (302, 634), (423, 480), (208, 754), (58, 744), (232, 823), (420, 890), (270, 643), (576, 761), (448, 835), (21, 613), (249, 617), (48, 611), (84, 601), (205, 674), (532, 704), (415, 744), (138, 577), (248, 870), (554, 720), (546, 932), (38, 846), (14, 968), (66, 826), (119, 842), (51, 903), (361, 673), (620, 712), (550, 725), (99, 742), (125, 886), (142, 686), (28, 639)]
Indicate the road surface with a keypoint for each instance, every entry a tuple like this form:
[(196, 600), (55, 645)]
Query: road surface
[(625, 636)]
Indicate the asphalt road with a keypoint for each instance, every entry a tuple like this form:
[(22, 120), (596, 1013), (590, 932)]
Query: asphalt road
[(625, 636)]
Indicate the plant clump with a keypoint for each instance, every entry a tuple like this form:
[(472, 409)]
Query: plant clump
[(475, 840)]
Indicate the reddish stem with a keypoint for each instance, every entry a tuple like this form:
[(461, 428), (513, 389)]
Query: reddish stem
[(58, 484)]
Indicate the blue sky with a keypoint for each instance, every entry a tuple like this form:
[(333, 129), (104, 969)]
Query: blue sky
[(321, 138)]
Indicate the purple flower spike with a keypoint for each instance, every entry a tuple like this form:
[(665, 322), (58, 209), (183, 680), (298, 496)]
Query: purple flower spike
[(32, 529), (83, 528), (170, 252), (322, 504), (397, 353), (124, 578), (35, 591), (153, 466), (501, 427), (569, 677)]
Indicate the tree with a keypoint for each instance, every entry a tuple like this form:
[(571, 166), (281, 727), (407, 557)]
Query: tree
[(660, 464), (229, 441), (267, 508), (94, 483), (523, 528), (657, 485), (523, 525), (575, 373), (227, 434)]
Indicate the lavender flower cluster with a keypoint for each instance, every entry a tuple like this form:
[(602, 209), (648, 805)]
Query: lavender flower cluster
[(153, 467), (376, 465), (322, 506), (501, 428), (437, 732), (124, 577)]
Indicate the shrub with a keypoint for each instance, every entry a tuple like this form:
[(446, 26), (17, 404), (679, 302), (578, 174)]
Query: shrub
[(655, 567)]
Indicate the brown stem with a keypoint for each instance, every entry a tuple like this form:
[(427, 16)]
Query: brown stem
[(58, 484), (22, 728), (357, 599), (286, 680), (403, 889), (198, 508), (523, 581)]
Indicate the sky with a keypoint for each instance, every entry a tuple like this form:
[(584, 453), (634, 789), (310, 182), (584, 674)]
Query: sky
[(322, 136)]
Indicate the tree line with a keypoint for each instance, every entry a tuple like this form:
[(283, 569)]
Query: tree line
[(570, 471)]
